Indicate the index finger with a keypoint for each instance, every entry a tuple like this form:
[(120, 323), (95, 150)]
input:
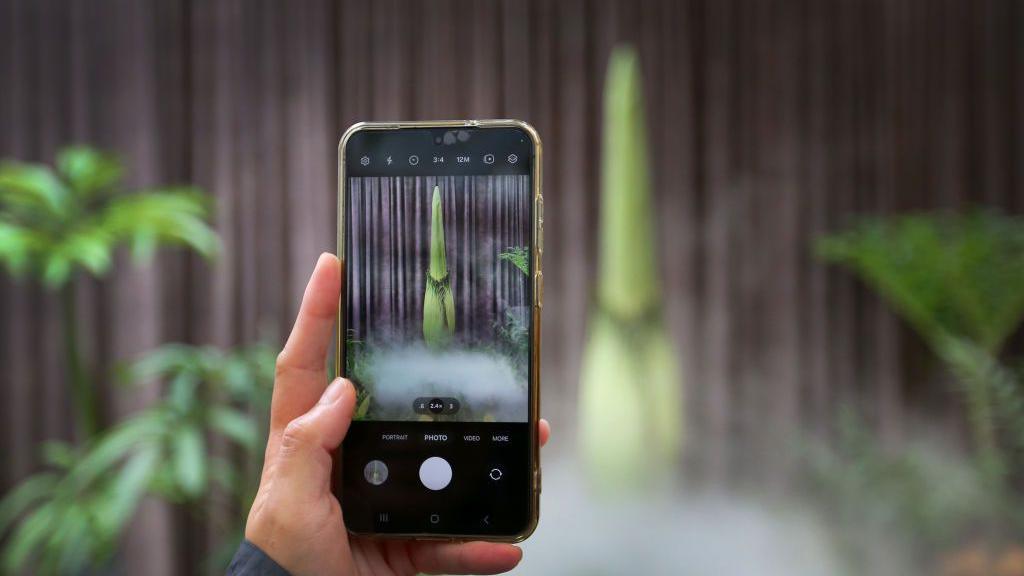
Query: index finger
[(301, 374), (464, 558)]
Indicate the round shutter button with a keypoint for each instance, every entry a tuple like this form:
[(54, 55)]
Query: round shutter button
[(435, 473)]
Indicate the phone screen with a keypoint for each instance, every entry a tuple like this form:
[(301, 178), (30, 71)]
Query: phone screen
[(438, 319)]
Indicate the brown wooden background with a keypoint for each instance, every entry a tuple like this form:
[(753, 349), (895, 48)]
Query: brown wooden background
[(771, 122)]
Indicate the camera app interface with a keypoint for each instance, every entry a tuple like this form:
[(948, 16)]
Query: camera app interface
[(437, 234), (438, 313)]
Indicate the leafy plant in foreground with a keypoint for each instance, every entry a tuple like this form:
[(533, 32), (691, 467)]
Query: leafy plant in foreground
[(71, 516), (56, 223)]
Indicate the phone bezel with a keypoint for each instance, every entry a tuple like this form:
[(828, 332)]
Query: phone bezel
[(536, 276)]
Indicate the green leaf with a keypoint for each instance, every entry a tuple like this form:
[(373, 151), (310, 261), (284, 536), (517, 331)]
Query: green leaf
[(235, 425), (144, 244), (59, 454), (89, 247), (362, 408), (130, 483), (16, 247), (32, 189), (161, 362), (175, 216), (182, 391), (190, 461), (89, 170), (518, 256), (29, 536), (74, 545), (237, 376), (27, 494), (119, 443), (57, 270)]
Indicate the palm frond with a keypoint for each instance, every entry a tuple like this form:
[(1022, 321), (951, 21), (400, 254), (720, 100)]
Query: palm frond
[(961, 275), (173, 216), (32, 190), (18, 245), (518, 256), (88, 170)]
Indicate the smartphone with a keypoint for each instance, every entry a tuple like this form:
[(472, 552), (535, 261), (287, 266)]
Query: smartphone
[(440, 230)]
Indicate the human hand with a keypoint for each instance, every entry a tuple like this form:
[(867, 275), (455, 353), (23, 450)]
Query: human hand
[(295, 519)]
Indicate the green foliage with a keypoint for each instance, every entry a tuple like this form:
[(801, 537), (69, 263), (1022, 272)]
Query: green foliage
[(518, 256), (959, 281), (513, 338), (363, 399), (949, 274), (438, 301), (56, 222), (72, 515), (918, 498)]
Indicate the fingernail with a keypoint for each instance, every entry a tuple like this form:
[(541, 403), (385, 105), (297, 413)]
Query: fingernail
[(334, 391), (323, 256)]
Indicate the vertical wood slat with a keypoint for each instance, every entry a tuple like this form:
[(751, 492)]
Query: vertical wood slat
[(567, 265), (770, 124), (311, 134), (721, 194), (16, 353)]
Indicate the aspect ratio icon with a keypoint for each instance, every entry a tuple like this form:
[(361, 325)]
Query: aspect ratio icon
[(414, 160)]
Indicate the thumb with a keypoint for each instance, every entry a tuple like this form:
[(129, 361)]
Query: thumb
[(307, 441)]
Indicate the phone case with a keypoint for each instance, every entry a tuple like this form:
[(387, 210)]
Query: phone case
[(537, 277)]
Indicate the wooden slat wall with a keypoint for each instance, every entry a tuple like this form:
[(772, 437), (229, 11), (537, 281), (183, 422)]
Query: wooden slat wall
[(771, 122)]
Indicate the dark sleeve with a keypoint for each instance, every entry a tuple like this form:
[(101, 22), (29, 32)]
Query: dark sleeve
[(251, 561)]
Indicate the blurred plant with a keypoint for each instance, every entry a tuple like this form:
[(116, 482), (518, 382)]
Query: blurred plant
[(916, 499), (56, 223), (358, 357), (630, 374), (518, 256), (513, 337), (71, 516), (958, 280), (438, 303)]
